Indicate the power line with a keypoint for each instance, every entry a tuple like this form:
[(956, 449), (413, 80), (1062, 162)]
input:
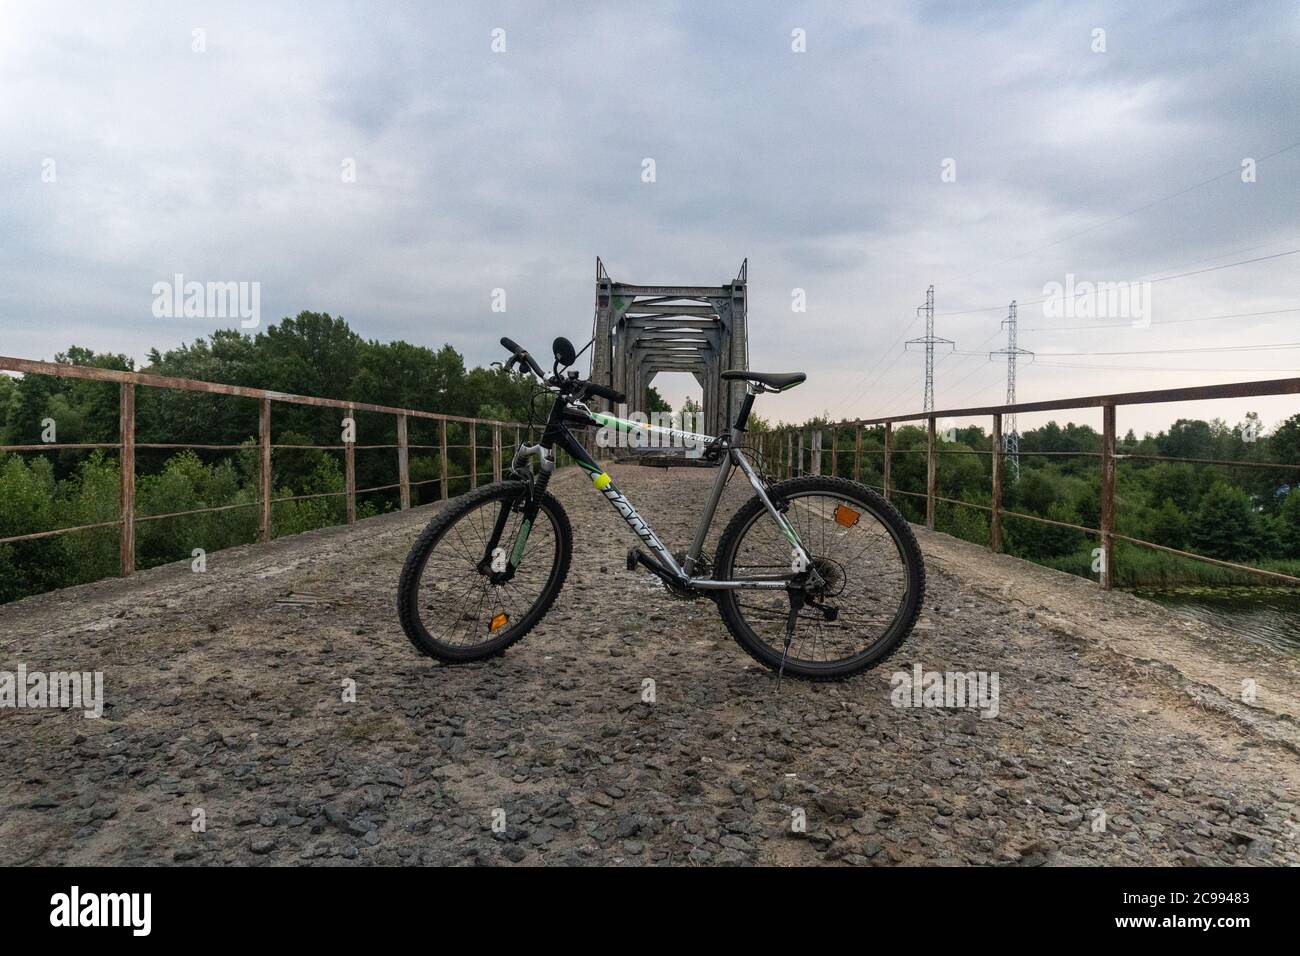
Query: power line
[(1235, 252), (1125, 215), (909, 386), (1203, 318), (877, 379), (865, 388), (965, 378), (1155, 368), (1222, 348), (971, 374), (871, 384), (854, 396), (1181, 275)]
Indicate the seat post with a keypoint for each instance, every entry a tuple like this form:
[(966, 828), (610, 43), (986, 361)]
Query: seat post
[(742, 419)]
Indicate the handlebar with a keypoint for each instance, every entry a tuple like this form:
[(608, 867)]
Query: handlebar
[(604, 391), (521, 357)]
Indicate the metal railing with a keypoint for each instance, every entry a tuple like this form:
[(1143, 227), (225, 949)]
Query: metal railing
[(126, 447), (785, 447)]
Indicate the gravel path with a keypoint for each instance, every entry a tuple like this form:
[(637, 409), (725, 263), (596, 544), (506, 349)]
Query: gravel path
[(225, 707)]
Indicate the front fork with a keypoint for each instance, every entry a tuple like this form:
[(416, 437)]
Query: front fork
[(496, 562)]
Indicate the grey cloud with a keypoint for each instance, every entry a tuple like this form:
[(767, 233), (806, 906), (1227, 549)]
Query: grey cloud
[(478, 171)]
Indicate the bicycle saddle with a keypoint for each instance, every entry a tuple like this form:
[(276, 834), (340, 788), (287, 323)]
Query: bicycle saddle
[(777, 380)]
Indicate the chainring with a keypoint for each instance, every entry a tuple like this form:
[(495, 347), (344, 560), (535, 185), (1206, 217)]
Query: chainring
[(703, 566)]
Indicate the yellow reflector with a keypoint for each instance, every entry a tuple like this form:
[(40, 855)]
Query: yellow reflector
[(846, 516), (499, 622), (601, 481)]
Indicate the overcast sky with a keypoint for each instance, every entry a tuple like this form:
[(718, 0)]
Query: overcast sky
[(478, 170)]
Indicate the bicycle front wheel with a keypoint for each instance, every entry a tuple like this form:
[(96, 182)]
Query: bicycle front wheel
[(479, 577), (861, 547)]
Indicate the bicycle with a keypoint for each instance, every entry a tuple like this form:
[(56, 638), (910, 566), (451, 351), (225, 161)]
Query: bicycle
[(830, 585)]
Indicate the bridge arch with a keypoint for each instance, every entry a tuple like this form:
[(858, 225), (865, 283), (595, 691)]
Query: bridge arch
[(641, 330)]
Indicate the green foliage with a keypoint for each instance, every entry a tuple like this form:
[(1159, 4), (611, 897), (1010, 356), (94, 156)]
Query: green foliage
[(312, 354), (1288, 524), (1247, 513), (655, 401), (1167, 525), (1226, 526), (689, 416)]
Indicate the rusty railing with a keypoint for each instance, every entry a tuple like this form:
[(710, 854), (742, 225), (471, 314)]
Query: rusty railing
[(786, 448), (126, 447)]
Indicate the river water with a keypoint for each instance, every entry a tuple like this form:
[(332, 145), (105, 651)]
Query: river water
[(1265, 615)]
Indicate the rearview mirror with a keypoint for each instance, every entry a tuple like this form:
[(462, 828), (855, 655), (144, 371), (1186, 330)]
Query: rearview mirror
[(562, 348)]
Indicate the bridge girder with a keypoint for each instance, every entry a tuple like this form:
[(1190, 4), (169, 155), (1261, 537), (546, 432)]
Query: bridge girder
[(641, 330)]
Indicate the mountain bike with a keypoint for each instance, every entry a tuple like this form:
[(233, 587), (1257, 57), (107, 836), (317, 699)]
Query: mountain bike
[(820, 577)]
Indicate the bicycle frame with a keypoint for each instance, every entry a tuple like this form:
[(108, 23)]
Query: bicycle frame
[(558, 434)]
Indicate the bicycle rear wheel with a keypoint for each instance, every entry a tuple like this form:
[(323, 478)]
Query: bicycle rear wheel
[(476, 581), (863, 549)]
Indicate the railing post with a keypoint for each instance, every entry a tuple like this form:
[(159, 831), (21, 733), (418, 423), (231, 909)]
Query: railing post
[(126, 474), (264, 468), (350, 468), (442, 452), (835, 446), (889, 447), (857, 452), (931, 473), (817, 452), (1107, 495), (473, 454), (496, 451), (789, 454), (799, 463), (403, 464), (995, 520)]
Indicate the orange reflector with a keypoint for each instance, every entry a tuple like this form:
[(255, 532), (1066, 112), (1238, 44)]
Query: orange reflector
[(498, 622), (846, 516)]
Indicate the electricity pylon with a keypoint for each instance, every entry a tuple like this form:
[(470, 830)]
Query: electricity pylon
[(1010, 436), (929, 341)]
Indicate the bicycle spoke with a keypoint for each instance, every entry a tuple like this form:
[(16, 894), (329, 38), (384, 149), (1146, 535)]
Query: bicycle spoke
[(459, 601), (861, 564)]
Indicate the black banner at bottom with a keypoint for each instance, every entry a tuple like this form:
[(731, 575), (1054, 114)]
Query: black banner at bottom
[(336, 904)]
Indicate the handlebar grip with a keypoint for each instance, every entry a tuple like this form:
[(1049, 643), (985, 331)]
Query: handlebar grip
[(522, 354), (604, 391)]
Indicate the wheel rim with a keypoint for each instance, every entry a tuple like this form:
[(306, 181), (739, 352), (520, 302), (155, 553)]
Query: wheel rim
[(867, 580), (457, 603)]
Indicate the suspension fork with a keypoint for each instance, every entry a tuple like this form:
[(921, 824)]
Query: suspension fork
[(530, 509)]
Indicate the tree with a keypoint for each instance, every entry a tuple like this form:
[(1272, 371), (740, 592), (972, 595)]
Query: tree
[(655, 402), (1284, 443), (690, 418), (1187, 438), (1167, 525), (1226, 527), (1288, 525)]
